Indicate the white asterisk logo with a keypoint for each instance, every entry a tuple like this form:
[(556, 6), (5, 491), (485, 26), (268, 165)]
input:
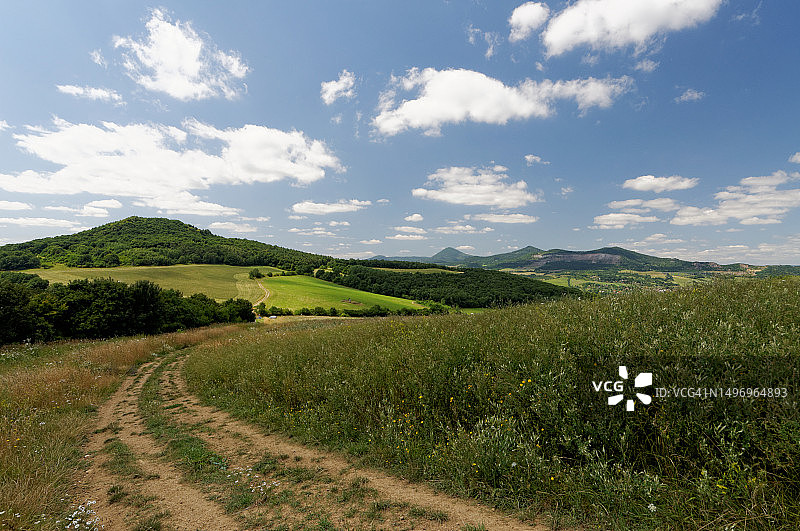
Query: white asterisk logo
[(643, 379)]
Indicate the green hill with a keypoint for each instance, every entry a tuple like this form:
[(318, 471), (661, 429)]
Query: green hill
[(137, 241), (535, 259)]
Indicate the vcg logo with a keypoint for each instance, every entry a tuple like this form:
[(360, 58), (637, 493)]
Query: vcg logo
[(643, 379)]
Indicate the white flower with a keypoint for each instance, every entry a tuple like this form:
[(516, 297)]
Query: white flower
[(652, 508)]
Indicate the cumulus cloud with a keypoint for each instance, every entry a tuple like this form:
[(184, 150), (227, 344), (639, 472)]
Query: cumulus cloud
[(414, 217), (175, 59), (619, 220), (690, 95), (638, 206), (370, 242), (795, 158), (615, 24), (503, 218), (465, 248), (92, 93), (650, 183), (411, 230), (660, 239), (646, 65), (339, 224), (338, 88), (476, 186), (232, 227), (526, 19), (320, 209), (39, 222), (458, 95), (316, 231), (531, 159), (94, 209), (462, 229), (407, 237), (161, 165), (98, 59), (755, 201), (4, 125), (14, 205)]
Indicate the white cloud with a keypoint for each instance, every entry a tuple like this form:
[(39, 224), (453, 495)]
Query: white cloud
[(319, 209), (526, 19), (297, 217), (615, 24), (355, 255), (503, 218), (465, 248), (458, 95), (414, 217), (259, 218), (98, 59), (795, 158), (370, 242), (659, 238), (176, 60), (411, 230), (491, 39), (756, 201), (530, 160), (94, 209), (382, 201), (646, 65), (4, 125), (407, 237), (339, 88), (232, 227), (462, 229), (14, 205), (476, 186), (649, 183), (618, 220), (566, 190), (638, 206), (92, 93), (339, 224), (690, 95), (161, 165), (316, 231), (39, 222)]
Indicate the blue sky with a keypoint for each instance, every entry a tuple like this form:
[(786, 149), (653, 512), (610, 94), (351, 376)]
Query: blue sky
[(357, 128)]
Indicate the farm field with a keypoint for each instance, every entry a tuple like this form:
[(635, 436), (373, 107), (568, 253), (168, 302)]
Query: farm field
[(223, 282), (499, 406), (299, 291)]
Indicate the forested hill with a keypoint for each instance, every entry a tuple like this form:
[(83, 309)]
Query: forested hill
[(151, 241)]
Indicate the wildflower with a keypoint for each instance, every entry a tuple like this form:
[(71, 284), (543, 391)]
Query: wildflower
[(652, 508)]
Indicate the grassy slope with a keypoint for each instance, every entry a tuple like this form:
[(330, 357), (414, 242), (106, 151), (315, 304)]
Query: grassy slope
[(223, 282), (299, 291), (499, 406)]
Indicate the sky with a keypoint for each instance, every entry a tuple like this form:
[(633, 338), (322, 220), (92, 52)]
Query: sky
[(359, 128)]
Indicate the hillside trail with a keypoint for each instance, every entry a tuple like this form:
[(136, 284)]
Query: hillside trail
[(273, 482), (266, 293)]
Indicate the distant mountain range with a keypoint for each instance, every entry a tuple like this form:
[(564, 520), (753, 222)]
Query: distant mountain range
[(534, 259)]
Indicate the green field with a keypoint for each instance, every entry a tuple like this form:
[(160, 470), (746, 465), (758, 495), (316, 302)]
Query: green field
[(300, 291), (223, 282), (500, 406)]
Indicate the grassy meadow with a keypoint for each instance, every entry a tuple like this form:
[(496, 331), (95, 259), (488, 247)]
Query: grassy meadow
[(499, 406), (223, 282), (300, 291), (48, 396)]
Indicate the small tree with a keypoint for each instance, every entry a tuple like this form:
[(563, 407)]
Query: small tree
[(256, 273)]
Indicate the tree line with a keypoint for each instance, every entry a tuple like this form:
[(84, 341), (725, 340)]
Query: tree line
[(33, 309), (472, 288)]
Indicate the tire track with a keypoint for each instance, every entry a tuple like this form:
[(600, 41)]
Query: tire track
[(246, 444), (160, 490)]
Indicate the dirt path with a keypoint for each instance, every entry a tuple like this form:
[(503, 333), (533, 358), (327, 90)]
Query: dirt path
[(266, 293), (139, 487), (268, 481)]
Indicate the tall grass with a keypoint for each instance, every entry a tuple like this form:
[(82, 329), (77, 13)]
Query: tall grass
[(500, 406), (48, 394)]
